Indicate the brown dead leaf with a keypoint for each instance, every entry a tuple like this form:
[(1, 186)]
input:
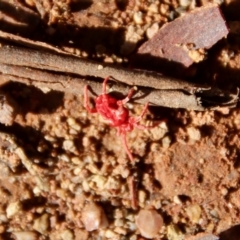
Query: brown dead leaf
[(184, 40)]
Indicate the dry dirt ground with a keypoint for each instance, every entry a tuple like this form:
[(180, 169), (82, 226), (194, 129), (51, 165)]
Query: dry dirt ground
[(64, 173)]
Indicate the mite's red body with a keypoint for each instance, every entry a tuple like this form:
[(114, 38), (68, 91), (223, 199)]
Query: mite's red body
[(116, 113)]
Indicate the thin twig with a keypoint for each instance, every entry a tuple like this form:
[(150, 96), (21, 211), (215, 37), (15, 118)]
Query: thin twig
[(55, 70)]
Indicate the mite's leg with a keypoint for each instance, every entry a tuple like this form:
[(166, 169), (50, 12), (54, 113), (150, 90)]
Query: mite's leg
[(128, 97), (86, 101), (104, 86), (124, 141)]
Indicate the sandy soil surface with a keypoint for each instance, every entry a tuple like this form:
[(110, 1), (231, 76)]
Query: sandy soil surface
[(64, 173)]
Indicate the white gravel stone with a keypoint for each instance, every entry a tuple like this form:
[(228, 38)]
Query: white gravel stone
[(194, 213), (69, 145), (93, 217), (152, 30), (25, 235), (67, 235), (154, 223), (13, 208), (41, 224), (166, 141), (194, 133), (138, 17)]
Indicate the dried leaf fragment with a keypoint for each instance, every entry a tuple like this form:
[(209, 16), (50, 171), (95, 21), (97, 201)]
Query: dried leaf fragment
[(185, 39)]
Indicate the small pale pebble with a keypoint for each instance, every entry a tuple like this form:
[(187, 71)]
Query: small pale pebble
[(164, 8), (69, 145), (3, 218), (71, 187), (76, 127), (73, 132), (118, 213), (130, 217), (184, 3), (177, 200), (41, 224), (67, 235), (157, 133), (194, 212), (25, 235), (93, 217), (142, 196), (65, 184), (92, 168), (138, 17), (64, 157), (154, 223), (50, 138), (157, 204), (224, 191), (166, 141), (36, 190), (153, 8), (174, 233), (151, 31), (100, 67), (61, 193), (85, 186), (71, 121), (13, 208), (76, 171), (214, 214), (194, 133), (133, 237), (86, 141), (118, 222), (111, 234), (76, 160), (39, 210), (120, 230), (100, 181)]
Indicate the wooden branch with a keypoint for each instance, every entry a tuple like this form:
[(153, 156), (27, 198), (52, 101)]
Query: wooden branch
[(46, 68), (45, 60)]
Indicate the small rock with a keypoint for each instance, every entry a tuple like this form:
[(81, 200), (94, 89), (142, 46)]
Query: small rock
[(69, 145), (174, 233), (151, 31), (41, 224), (93, 217), (110, 234), (138, 17), (67, 235), (26, 235), (13, 208), (166, 141), (194, 133), (149, 223), (194, 213)]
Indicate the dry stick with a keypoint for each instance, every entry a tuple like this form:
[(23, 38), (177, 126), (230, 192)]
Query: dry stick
[(60, 82), (70, 74), (74, 65)]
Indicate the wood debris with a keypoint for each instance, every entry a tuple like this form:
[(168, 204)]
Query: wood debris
[(183, 41)]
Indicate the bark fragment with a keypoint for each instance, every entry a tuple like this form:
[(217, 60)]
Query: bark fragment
[(63, 72), (184, 40)]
